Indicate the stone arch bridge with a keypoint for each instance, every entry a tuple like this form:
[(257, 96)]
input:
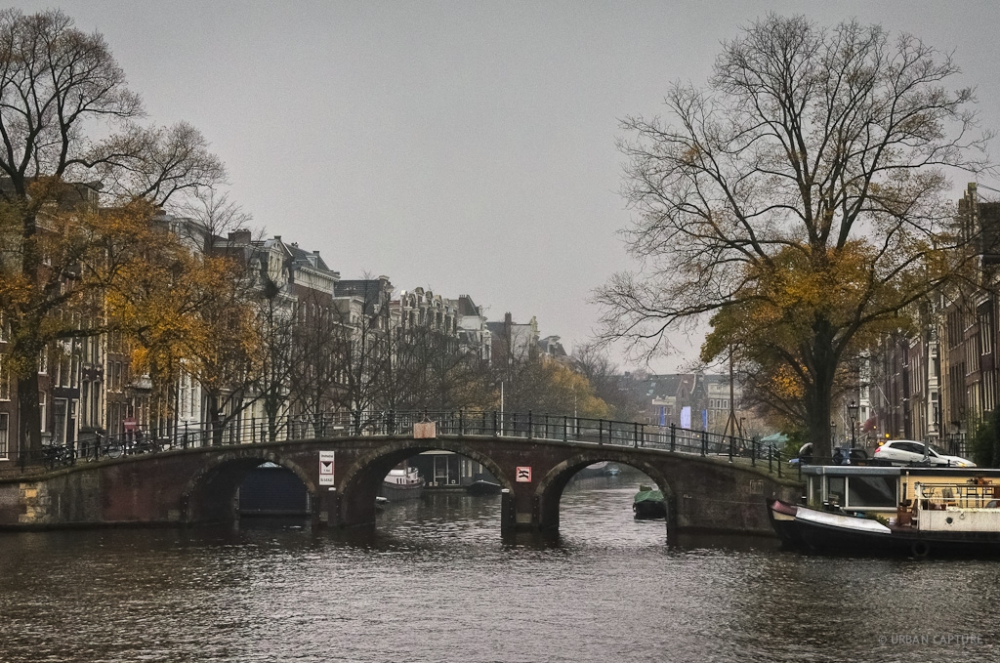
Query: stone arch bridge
[(711, 484)]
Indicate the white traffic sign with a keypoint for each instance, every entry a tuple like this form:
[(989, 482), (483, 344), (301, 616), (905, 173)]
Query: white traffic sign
[(326, 468), (523, 475)]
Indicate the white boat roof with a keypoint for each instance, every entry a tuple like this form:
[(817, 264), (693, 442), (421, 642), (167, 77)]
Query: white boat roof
[(898, 470), (843, 522)]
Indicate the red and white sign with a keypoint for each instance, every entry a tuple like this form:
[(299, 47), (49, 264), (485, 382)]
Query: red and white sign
[(326, 468), (523, 475), (130, 424)]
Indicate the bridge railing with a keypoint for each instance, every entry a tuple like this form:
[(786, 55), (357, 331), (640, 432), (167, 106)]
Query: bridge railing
[(250, 430)]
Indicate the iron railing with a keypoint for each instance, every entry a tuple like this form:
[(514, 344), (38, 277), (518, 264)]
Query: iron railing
[(387, 422)]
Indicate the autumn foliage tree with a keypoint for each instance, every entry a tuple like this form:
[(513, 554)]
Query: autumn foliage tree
[(195, 313), (798, 201), (58, 88)]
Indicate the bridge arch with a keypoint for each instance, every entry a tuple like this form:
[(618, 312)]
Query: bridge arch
[(210, 494), (549, 492), (355, 501)]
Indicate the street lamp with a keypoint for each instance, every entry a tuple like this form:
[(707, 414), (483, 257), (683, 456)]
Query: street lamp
[(852, 413)]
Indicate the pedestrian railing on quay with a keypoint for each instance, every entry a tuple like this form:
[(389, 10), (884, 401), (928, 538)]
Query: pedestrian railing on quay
[(251, 430)]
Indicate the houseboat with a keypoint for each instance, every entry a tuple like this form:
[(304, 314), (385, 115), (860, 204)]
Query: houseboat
[(402, 483), (916, 511)]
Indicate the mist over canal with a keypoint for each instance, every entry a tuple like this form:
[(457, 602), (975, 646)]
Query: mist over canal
[(435, 582)]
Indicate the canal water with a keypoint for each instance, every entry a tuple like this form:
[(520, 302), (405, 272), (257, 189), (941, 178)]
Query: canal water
[(435, 582)]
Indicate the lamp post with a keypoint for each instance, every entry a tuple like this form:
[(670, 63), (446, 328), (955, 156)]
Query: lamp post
[(852, 413)]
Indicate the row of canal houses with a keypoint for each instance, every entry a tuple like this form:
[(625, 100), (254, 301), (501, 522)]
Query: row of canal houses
[(939, 382), (87, 386)]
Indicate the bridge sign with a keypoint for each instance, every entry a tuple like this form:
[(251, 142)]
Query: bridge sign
[(326, 468), (425, 430), (523, 475)]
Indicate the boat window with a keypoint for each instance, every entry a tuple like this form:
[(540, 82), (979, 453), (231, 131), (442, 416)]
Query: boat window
[(871, 491), (835, 490), (815, 490)]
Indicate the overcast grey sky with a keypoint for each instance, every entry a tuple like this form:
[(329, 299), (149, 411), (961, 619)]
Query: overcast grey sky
[(466, 147)]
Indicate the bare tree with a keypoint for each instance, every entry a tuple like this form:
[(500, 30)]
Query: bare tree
[(362, 340), (609, 383), (798, 200), (431, 372), (317, 342)]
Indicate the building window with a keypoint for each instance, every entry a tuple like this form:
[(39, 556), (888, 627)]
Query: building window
[(63, 364), (59, 411), (182, 396), (4, 435), (75, 354), (43, 403), (4, 381)]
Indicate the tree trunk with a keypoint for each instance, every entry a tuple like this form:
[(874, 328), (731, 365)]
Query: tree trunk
[(25, 346), (819, 425), (823, 368)]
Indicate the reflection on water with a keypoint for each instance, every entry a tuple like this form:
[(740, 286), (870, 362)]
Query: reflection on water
[(436, 582)]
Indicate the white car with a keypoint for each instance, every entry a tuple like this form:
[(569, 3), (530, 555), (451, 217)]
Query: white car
[(903, 452)]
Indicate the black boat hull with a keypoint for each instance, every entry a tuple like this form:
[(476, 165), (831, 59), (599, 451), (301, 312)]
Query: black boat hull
[(483, 487), (821, 537), (649, 509)]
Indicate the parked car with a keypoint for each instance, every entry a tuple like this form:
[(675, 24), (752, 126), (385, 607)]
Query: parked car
[(902, 452)]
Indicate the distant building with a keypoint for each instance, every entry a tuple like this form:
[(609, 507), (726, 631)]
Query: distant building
[(514, 341), (706, 396), (473, 334)]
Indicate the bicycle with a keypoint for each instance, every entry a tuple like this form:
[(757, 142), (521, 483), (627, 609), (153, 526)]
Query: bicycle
[(58, 455), (101, 448)]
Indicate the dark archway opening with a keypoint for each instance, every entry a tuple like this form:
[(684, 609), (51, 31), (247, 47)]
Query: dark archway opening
[(273, 491), (247, 487)]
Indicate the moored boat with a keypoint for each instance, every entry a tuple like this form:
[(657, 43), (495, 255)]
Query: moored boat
[(782, 515), (648, 504), (593, 470), (402, 483), (483, 487), (933, 511)]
